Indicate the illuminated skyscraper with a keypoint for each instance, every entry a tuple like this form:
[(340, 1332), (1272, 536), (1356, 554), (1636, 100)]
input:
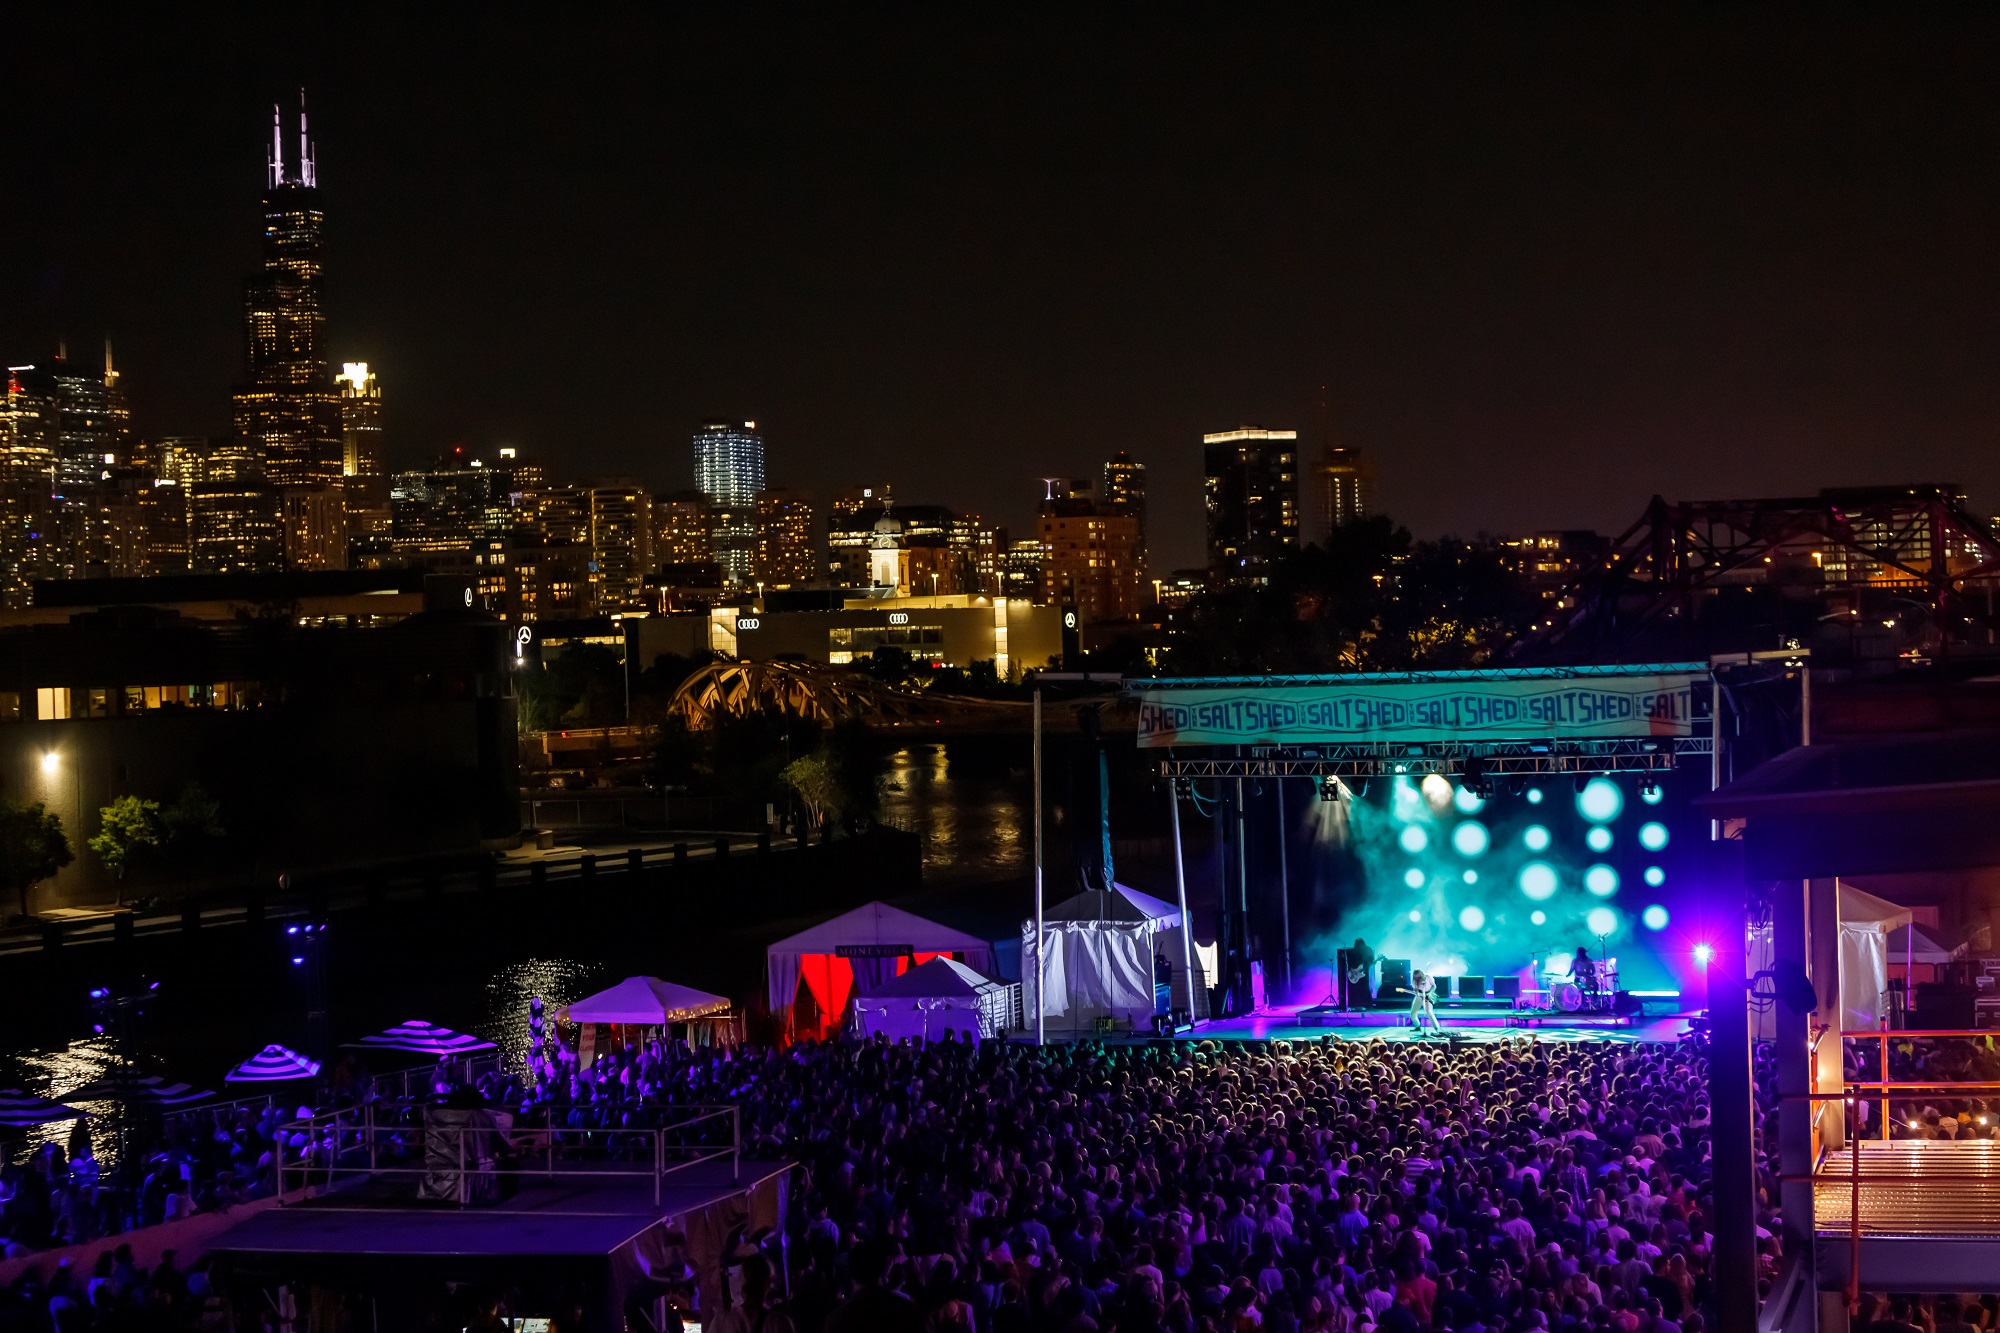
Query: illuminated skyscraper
[(289, 410), (787, 540), (621, 545), (360, 421), (1340, 489), (1252, 494), (729, 470), (1125, 493)]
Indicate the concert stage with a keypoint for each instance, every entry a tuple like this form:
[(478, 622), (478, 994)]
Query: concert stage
[(1304, 1022)]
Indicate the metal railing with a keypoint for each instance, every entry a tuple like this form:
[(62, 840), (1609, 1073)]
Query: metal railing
[(348, 1146), (1885, 1085)]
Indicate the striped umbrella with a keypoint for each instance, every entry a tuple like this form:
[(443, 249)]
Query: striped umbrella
[(425, 1039), (151, 1089), (20, 1109), (273, 1064)]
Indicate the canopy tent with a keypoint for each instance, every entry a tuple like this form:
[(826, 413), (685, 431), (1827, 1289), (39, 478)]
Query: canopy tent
[(273, 1064), (646, 1002), (942, 997), (1100, 947), (1866, 922), (118, 1086), (867, 945), (1913, 944), (18, 1109), (423, 1039)]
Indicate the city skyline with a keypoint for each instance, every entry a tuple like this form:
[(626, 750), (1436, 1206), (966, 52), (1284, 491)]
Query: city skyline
[(1737, 314)]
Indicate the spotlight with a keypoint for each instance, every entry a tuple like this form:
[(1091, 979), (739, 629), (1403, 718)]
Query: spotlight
[(1471, 918), (50, 762), (1649, 792), (1653, 836), (1599, 800), (1538, 881), (1655, 876), (1601, 921), (1414, 839), (1329, 791), (1413, 877), (1655, 917), (291, 930), (1598, 839), (1602, 881), (1538, 917), (1535, 838), (1472, 877), (1702, 953), (1470, 838), (298, 960), (1534, 796), (1415, 915)]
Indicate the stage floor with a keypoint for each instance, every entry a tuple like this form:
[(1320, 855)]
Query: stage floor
[(1478, 1026)]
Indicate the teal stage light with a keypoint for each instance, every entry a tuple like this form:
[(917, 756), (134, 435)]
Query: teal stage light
[(1534, 796), (1535, 838), (1472, 877), (1655, 876), (1651, 793), (1471, 918), (1413, 877), (1538, 917), (1602, 881), (1601, 921), (1414, 839), (1470, 838), (1652, 836), (1598, 839), (1538, 881), (1655, 917), (1468, 801), (1415, 915), (1600, 801)]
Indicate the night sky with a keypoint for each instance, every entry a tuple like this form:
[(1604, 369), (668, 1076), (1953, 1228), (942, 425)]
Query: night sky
[(1546, 262)]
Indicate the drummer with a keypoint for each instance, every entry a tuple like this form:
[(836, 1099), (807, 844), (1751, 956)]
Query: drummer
[(1583, 971)]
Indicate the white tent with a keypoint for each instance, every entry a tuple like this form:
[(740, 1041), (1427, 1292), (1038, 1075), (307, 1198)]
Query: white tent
[(1100, 947), (861, 946), (1866, 923), (1913, 944), (942, 997), (645, 1001)]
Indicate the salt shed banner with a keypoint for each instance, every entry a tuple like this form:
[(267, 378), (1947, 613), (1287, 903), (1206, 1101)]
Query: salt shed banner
[(1595, 707)]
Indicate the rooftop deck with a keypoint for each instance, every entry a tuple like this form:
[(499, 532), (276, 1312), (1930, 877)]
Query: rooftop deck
[(1929, 1214)]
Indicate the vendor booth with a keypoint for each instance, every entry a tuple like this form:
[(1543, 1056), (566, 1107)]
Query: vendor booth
[(648, 1002), (940, 998), (864, 947), (1101, 949)]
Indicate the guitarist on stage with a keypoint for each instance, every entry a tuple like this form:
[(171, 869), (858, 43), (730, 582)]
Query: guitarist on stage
[(1360, 974)]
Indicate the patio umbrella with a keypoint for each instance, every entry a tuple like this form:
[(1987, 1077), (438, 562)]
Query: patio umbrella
[(20, 1109), (150, 1089), (273, 1064), (425, 1039)]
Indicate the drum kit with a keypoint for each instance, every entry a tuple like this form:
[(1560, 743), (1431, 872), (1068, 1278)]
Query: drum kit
[(1588, 993)]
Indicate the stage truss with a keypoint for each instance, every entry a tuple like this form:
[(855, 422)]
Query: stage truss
[(1452, 759)]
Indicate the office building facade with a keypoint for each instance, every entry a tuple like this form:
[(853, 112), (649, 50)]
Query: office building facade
[(360, 421), (1340, 489)]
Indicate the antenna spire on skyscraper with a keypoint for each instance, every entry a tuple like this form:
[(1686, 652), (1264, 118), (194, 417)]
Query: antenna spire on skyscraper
[(306, 173), (274, 173)]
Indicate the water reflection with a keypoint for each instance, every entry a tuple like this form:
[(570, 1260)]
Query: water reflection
[(53, 1073), (559, 981), (972, 824)]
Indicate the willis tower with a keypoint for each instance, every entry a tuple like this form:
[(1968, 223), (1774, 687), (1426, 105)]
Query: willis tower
[(289, 412)]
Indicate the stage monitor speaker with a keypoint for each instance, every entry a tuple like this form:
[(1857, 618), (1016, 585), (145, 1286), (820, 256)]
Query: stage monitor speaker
[(1507, 988), (1471, 988), (1395, 977)]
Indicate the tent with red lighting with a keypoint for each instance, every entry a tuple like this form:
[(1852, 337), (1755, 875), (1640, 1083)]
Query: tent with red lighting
[(869, 945)]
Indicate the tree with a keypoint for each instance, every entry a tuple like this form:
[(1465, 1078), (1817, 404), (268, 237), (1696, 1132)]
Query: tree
[(33, 847), (814, 781), (189, 828), (860, 763), (128, 829)]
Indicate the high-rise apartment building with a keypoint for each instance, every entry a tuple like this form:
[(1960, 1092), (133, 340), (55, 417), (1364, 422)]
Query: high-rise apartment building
[(621, 545), (289, 409), (360, 420), (729, 470), (787, 540), (1021, 570), (1251, 485), (682, 529), (1125, 493), (1340, 487), (65, 422), (315, 520), (1089, 560)]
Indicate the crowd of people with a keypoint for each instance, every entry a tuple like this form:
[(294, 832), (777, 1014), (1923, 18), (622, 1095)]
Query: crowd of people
[(1323, 1186)]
